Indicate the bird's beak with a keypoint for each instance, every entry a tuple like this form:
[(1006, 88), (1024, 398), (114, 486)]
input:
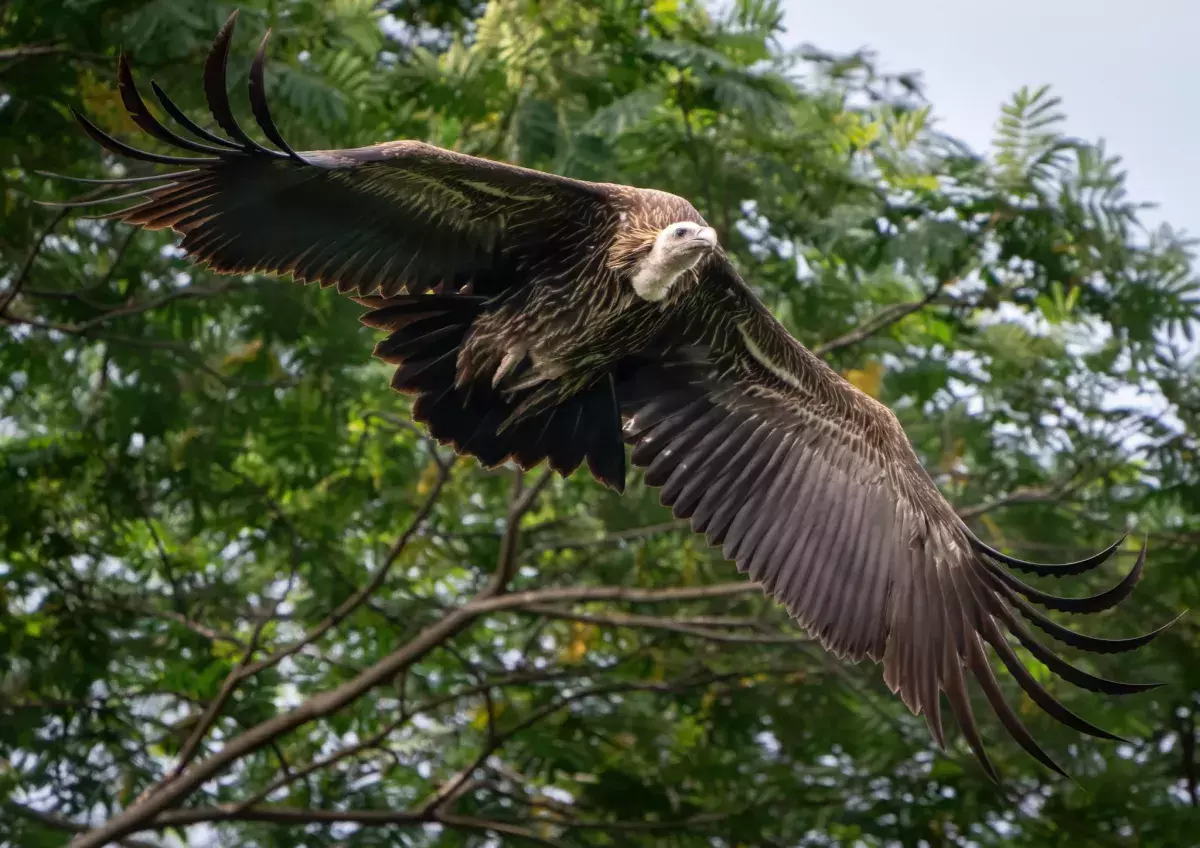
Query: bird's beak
[(706, 237)]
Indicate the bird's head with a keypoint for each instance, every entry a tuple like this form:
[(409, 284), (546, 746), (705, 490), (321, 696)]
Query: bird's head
[(675, 249)]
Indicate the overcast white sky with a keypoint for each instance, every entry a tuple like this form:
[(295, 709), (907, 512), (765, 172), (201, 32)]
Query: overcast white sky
[(1128, 72)]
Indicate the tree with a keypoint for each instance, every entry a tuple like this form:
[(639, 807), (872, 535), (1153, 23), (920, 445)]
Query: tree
[(241, 592)]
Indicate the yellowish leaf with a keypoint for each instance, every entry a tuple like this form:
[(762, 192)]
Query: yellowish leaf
[(223, 650), (246, 353), (869, 379), (101, 104), (582, 637), (993, 529), (479, 717), (428, 478), (953, 453)]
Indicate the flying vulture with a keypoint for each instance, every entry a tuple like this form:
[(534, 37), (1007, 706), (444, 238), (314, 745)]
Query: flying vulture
[(536, 317)]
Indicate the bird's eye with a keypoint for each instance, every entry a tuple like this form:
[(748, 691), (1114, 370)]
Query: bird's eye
[(680, 232)]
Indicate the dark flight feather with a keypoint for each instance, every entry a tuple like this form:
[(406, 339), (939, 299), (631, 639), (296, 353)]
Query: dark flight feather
[(507, 301)]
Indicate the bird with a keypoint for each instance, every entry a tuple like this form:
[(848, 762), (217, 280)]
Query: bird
[(539, 318)]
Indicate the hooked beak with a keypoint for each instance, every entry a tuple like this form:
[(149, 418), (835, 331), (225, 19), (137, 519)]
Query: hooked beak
[(705, 238)]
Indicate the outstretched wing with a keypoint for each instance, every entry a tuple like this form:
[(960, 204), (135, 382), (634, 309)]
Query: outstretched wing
[(812, 488), (397, 217)]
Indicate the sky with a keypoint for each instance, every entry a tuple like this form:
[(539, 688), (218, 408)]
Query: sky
[(1128, 72)]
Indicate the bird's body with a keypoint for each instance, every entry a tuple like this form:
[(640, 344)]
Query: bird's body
[(540, 318)]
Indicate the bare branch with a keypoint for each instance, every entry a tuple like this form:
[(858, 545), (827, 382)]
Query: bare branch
[(235, 676), (59, 823), (883, 319), (403, 424), (134, 308), (25, 51), (617, 619), (1017, 496), (23, 272), (318, 706), (535, 597), (520, 503), (502, 828), (614, 538), (300, 816), (195, 626)]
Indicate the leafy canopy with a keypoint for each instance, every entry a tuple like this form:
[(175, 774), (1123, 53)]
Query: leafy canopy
[(222, 543)]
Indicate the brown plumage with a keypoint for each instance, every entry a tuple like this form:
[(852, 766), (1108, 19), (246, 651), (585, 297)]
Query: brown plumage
[(537, 317)]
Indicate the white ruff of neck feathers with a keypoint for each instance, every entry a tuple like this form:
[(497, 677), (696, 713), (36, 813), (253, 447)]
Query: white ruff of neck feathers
[(653, 279)]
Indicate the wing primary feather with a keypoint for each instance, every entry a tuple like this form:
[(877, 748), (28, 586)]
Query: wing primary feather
[(215, 92), (258, 100), (677, 444), (955, 688), (748, 502), (924, 659), (94, 201), (1064, 569), (606, 456), (690, 478), (977, 662), (808, 542), (181, 118), (716, 507), (847, 559), (1091, 604), (986, 626), (148, 178), (1056, 664), (868, 623), (1082, 641), (762, 535), (122, 149), (655, 414), (780, 578), (724, 503), (136, 107), (832, 537), (797, 566)]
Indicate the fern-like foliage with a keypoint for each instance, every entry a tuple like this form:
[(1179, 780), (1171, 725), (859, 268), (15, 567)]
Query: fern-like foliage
[(1030, 147)]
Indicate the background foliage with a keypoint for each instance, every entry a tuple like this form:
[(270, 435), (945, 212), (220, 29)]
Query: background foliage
[(221, 543)]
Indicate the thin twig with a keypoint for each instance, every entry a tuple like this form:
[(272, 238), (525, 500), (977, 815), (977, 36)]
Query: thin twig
[(24, 51), (213, 711), (519, 503), (31, 257), (167, 793), (883, 319), (356, 600), (618, 619), (299, 816), (59, 823)]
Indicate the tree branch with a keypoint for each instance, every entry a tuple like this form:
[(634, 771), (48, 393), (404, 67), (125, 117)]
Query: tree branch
[(179, 786), (357, 599), (31, 257), (59, 823), (617, 619), (883, 319), (319, 706), (282, 815), (519, 503), (24, 51), (235, 676)]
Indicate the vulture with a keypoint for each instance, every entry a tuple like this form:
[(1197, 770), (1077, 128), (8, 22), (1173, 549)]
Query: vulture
[(536, 318)]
